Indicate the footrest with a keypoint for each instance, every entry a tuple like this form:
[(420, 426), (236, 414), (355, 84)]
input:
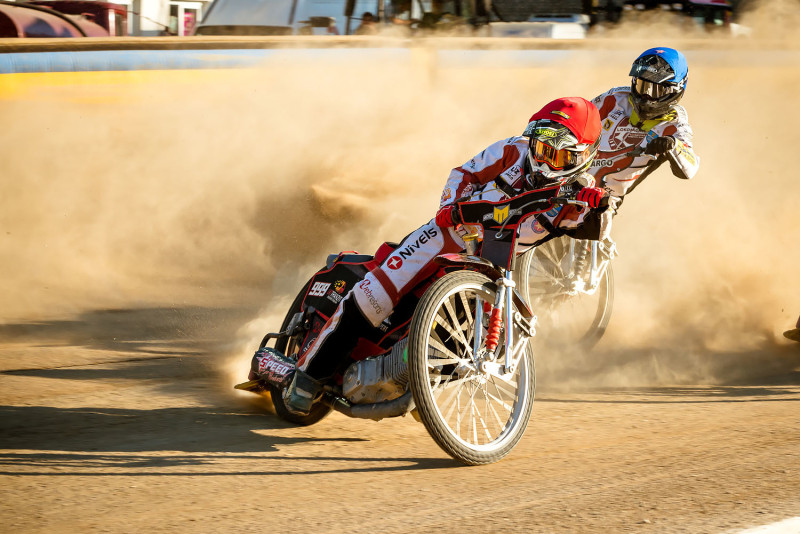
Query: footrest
[(794, 334), (251, 385)]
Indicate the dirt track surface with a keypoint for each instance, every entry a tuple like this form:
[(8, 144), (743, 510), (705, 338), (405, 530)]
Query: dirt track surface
[(101, 433)]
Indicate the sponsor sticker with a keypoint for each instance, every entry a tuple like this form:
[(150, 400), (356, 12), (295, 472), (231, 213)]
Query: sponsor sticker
[(394, 263), (514, 172), (319, 289), (553, 211), (500, 214), (274, 367), (339, 286), (685, 153), (603, 163), (409, 250), (364, 285), (625, 135)]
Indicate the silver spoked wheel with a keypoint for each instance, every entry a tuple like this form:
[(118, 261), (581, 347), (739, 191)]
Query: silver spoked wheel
[(570, 308), (474, 412)]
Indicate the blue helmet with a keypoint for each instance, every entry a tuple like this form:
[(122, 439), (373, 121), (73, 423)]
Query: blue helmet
[(659, 77)]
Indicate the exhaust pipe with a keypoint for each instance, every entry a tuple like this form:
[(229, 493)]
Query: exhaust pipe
[(377, 411)]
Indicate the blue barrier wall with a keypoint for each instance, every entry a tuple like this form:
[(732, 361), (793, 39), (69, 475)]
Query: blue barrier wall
[(126, 60)]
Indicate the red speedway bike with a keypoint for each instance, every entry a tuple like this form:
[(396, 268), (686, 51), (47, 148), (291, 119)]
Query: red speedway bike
[(455, 352)]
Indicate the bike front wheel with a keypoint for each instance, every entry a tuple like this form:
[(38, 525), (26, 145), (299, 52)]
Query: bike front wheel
[(476, 416)]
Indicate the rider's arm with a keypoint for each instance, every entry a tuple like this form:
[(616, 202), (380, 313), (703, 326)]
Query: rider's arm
[(480, 170), (684, 162)]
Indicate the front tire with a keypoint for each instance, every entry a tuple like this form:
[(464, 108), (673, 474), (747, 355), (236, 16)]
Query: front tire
[(474, 416), (565, 317)]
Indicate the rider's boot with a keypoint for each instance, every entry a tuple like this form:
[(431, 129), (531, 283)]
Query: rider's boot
[(301, 393), (326, 355)]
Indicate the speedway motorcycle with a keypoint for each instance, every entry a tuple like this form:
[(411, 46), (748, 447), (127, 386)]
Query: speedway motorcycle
[(570, 282), (455, 352)]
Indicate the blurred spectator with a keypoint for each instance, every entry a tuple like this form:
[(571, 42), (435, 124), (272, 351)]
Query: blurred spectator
[(367, 26), (401, 11)]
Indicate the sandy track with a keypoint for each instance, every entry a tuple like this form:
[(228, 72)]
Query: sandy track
[(151, 439)]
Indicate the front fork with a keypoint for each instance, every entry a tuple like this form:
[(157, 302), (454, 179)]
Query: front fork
[(575, 267), (507, 317)]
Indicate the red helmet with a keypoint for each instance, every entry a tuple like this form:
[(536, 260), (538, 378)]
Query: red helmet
[(564, 136)]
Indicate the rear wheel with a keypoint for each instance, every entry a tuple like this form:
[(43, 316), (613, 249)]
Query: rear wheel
[(474, 415), (566, 316), (290, 346)]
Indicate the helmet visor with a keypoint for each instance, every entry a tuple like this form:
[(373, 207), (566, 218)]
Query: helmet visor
[(652, 90)]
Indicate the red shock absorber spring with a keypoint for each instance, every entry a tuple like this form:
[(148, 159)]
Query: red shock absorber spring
[(493, 332)]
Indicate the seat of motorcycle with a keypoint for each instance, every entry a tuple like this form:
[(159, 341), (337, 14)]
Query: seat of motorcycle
[(351, 256), (347, 257)]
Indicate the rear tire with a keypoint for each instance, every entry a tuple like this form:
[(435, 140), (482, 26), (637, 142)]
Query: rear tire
[(291, 347)]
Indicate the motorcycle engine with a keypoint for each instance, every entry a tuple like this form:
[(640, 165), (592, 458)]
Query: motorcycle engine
[(377, 379)]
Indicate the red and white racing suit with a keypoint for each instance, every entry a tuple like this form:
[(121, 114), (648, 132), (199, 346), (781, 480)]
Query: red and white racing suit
[(622, 132), (497, 173)]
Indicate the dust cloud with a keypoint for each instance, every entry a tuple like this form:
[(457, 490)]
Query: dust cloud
[(228, 189)]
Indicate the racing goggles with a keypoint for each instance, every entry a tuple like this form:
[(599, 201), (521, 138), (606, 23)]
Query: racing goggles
[(559, 159), (652, 90)]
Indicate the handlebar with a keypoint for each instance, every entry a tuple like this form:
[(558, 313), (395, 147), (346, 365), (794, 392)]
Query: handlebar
[(562, 201), (639, 151)]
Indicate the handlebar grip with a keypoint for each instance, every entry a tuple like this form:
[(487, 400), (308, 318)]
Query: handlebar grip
[(561, 201)]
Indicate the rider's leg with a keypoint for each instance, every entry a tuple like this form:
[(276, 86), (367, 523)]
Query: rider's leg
[(337, 340), (367, 305)]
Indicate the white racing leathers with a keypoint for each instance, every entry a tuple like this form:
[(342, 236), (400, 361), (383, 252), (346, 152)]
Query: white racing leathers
[(622, 132), (495, 174)]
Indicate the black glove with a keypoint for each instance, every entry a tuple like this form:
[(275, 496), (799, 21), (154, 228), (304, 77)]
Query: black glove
[(660, 145)]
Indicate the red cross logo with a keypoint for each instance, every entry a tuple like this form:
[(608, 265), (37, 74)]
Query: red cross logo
[(394, 263)]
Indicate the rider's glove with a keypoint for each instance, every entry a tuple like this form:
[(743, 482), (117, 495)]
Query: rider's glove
[(590, 195), (660, 145), (447, 217)]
